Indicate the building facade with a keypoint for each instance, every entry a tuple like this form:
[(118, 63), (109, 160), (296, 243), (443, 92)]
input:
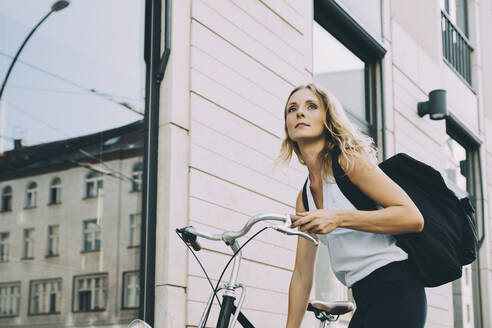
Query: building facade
[(232, 65), (70, 232)]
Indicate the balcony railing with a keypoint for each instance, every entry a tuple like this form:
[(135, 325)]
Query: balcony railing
[(456, 48)]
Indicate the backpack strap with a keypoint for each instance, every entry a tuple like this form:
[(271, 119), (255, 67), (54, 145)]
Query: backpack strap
[(360, 200), (304, 196)]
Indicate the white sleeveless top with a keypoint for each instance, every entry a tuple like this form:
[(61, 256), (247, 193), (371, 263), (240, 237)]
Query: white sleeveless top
[(353, 254)]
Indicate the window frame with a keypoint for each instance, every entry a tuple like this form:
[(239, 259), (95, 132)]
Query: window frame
[(6, 244), (18, 302), (346, 30), (123, 290), (9, 196), (95, 178), (29, 240), (94, 233), (31, 195), (474, 185), (89, 276), (55, 184), (137, 175), (135, 234), (56, 238), (58, 295)]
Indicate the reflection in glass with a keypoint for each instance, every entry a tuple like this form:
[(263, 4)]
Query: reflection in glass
[(338, 70), (67, 135), (456, 164)]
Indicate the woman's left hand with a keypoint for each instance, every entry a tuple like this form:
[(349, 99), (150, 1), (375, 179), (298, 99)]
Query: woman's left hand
[(318, 221)]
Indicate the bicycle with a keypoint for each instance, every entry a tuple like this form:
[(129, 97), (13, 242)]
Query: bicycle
[(326, 312)]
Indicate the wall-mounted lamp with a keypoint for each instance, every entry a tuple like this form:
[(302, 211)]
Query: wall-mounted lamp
[(436, 106)]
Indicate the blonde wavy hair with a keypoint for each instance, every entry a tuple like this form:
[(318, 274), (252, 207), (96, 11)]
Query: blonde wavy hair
[(339, 132)]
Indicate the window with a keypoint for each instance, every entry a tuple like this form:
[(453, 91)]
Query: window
[(28, 244), (135, 220), (9, 299), (335, 67), (53, 240), (92, 235), (137, 177), (55, 191), (456, 47), (131, 290), (93, 184), (7, 199), (31, 195), (90, 293), (45, 296), (4, 246)]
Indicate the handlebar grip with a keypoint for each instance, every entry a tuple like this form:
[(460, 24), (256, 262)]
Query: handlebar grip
[(189, 238), (196, 246)]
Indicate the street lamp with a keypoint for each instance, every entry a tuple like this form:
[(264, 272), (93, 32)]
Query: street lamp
[(57, 6)]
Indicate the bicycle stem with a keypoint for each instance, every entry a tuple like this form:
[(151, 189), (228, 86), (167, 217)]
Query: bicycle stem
[(235, 270)]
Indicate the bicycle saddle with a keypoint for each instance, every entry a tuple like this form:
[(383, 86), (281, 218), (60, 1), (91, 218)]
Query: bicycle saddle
[(333, 308)]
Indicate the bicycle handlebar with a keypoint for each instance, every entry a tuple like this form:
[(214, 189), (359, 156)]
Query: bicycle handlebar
[(190, 233)]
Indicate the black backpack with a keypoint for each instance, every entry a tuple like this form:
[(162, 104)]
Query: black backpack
[(449, 238)]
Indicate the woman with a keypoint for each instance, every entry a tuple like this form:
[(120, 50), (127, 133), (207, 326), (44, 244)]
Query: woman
[(362, 250)]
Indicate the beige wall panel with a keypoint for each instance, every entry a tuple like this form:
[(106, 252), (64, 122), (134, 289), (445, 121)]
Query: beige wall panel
[(250, 274), (217, 191), (488, 135), (235, 103), (218, 217), (406, 97), (286, 12), (423, 147), (213, 163), (247, 43), (266, 17), (247, 89), (405, 52), (233, 126), (257, 31), (239, 61), (175, 86), (257, 318), (256, 299), (461, 100), (172, 207), (244, 155), (170, 306), (426, 30)]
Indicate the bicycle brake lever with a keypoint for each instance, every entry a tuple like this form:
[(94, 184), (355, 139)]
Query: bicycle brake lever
[(189, 238), (291, 232)]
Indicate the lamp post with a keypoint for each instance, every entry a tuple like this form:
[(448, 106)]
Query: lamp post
[(57, 6)]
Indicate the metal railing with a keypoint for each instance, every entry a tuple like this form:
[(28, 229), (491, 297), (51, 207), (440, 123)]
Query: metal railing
[(456, 48)]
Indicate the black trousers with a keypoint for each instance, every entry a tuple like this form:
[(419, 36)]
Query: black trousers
[(392, 296)]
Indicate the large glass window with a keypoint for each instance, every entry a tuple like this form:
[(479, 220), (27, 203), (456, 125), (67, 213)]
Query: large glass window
[(9, 299), (462, 173), (45, 296), (71, 124), (344, 74)]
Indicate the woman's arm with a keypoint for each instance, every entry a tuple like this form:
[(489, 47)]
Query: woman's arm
[(302, 277), (399, 215)]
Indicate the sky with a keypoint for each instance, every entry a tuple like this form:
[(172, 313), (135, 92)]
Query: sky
[(91, 44)]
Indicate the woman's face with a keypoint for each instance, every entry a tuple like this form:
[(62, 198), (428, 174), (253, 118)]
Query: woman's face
[(305, 116)]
